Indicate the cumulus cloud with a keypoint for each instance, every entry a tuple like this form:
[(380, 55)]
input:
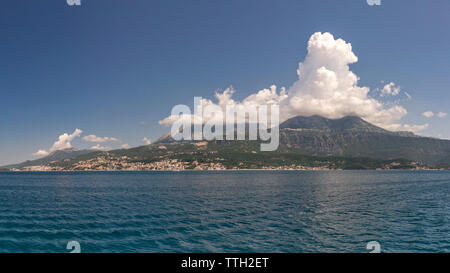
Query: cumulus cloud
[(146, 141), (428, 114), (390, 89), (326, 86), (41, 153), (407, 127), (125, 146), (99, 147), (96, 139), (441, 114), (64, 140)]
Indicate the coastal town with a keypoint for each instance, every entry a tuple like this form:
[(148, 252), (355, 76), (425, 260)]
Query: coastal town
[(205, 156), (125, 163)]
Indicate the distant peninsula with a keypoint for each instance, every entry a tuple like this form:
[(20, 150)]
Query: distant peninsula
[(306, 143)]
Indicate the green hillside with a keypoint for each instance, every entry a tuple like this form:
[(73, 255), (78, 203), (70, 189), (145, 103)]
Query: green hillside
[(305, 142)]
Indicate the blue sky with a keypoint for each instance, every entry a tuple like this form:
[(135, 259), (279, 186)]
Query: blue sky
[(115, 68)]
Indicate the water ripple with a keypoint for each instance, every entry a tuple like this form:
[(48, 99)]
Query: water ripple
[(252, 211)]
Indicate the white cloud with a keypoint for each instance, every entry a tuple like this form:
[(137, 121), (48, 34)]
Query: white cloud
[(390, 89), (125, 146), (94, 138), (64, 140), (146, 141), (326, 87), (441, 114), (407, 127), (428, 114), (41, 153), (98, 147)]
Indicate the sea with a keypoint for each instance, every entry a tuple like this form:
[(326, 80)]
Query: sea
[(225, 211)]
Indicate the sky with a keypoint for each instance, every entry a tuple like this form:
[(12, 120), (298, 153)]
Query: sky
[(106, 74)]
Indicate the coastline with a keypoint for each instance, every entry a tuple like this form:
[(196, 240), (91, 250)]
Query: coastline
[(224, 170)]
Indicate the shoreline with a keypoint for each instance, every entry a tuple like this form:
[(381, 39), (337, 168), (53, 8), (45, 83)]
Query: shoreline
[(226, 170)]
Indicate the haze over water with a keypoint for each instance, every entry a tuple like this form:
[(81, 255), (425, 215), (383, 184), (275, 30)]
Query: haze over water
[(245, 211)]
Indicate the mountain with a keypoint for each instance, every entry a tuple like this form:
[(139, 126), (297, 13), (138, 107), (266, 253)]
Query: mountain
[(305, 142), (354, 137), (166, 138), (350, 123), (53, 156), (345, 124)]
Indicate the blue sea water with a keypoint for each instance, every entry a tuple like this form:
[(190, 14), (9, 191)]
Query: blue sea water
[(243, 211)]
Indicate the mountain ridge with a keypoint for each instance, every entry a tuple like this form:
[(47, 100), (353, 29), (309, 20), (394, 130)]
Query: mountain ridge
[(347, 123), (353, 137), (314, 136), (53, 156)]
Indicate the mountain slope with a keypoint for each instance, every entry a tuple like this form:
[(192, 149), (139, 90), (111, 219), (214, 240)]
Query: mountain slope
[(320, 123), (314, 141), (53, 156), (354, 137)]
